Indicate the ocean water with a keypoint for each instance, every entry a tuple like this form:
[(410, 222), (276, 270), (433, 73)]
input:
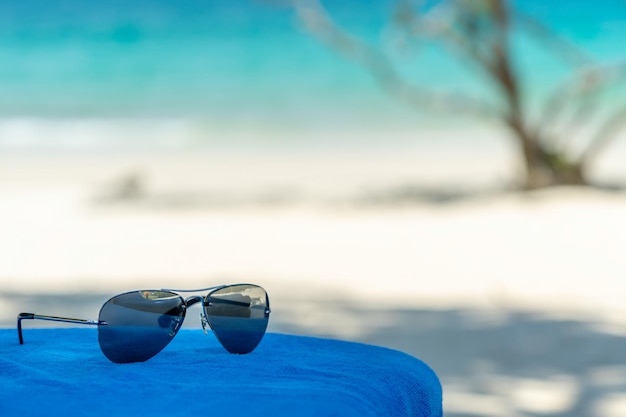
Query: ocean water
[(83, 73)]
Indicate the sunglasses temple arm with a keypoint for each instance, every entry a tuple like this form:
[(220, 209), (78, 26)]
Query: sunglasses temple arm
[(32, 316)]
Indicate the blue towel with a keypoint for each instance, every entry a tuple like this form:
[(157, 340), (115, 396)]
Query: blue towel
[(61, 372)]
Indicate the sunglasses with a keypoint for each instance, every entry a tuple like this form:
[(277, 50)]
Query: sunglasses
[(135, 326)]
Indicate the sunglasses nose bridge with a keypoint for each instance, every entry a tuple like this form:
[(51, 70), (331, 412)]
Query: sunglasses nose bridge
[(189, 301)]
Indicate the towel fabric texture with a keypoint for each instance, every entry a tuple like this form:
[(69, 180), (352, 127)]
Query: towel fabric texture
[(61, 372)]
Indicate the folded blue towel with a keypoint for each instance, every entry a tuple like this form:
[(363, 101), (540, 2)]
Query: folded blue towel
[(62, 372)]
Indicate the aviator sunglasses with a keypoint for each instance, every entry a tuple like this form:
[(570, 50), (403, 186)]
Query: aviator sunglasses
[(135, 326)]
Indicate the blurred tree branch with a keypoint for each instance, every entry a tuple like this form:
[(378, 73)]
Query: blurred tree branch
[(318, 22), (479, 33)]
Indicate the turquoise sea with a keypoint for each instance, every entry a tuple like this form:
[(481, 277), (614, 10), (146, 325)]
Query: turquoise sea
[(205, 69)]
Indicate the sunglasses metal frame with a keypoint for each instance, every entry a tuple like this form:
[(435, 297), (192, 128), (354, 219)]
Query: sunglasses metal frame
[(33, 316), (187, 302)]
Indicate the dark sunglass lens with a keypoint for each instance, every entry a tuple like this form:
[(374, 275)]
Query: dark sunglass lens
[(139, 324), (238, 315)]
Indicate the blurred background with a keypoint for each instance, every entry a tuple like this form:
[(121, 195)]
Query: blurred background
[(192, 143)]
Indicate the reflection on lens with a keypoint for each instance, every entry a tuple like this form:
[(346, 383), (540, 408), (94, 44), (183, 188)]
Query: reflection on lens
[(238, 315), (139, 324)]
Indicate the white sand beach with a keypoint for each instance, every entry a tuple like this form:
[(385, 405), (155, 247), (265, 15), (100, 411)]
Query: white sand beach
[(402, 228), (419, 251)]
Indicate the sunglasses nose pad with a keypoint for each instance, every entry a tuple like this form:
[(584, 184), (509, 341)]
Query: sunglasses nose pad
[(204, 322), (175, 324)]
